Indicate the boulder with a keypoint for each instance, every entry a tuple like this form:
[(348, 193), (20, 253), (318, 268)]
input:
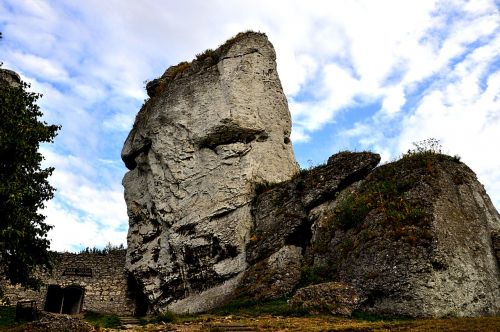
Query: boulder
[(334, 298), (274, 277)]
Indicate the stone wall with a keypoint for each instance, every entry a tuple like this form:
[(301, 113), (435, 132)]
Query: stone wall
[(102, 277)]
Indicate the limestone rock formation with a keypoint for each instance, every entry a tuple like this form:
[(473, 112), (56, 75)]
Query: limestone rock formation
[(415, 237), (281, 214), (212, 130), (218, 210)]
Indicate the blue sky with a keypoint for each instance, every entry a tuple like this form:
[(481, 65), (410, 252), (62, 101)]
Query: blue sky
[(358, 75)]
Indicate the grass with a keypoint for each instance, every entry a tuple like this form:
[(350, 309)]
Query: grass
[(261, 187), (165, 317), (211, 322), (243, 307), (274, 316), (102, 320)]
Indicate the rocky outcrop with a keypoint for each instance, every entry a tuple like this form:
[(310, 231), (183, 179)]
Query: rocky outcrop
[(281, 221), (281, 211), (414, 237), (273, 277), (218, 210), (212, 130)]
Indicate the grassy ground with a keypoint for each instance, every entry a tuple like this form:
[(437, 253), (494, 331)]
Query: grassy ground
[(259, 317), (102, 320), (277, 316), (320, 323)]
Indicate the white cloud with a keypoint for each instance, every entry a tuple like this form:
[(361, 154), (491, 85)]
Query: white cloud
[(430, 64), (39, 66), (87, 210), (73, 232)]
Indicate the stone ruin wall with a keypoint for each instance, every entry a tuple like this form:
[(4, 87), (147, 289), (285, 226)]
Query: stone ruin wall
[(106, 291)]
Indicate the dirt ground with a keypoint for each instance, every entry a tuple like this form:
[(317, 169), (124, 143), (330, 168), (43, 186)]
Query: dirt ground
[(321, 323)]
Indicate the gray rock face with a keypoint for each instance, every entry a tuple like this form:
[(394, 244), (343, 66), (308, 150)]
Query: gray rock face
[(9, 77), (281, 213), (415, 237), (335, 298), (212, 130), (273, 277), (218, 210)]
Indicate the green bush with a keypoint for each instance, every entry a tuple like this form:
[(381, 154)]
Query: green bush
[(317, 274)]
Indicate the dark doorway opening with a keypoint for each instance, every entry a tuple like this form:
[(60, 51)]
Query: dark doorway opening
[(72, 300), (135, 292), (66, 301), (54, 298)]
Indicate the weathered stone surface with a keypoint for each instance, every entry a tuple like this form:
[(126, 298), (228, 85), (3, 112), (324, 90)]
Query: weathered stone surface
[(415, 238), (217, 209), (55, 322), (211, 131), (9, 77), (281, 213), (335, 298), (273, 277), (495, 240)]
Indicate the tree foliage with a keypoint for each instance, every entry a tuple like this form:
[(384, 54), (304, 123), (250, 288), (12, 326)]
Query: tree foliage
[(24, 185)]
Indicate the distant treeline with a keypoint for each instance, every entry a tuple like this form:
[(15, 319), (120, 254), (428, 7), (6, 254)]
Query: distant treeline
[(109, 248)]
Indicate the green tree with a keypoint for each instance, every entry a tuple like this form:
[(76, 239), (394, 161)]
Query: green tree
[(24, 185)]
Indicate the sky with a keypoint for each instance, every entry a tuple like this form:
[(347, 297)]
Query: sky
[(358, 75)]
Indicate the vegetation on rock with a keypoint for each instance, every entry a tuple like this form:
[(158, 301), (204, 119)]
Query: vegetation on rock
[(386, 192), (204, 59)]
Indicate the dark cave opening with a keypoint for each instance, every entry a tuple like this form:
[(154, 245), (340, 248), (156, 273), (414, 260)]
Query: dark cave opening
[(66, 301)]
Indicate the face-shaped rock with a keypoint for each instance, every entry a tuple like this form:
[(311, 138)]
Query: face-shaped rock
[(212, 130)]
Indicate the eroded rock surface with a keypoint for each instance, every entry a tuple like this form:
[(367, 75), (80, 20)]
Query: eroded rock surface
[(281, 213), (218, 210), (212, 130), (335, 298), (414, 237)]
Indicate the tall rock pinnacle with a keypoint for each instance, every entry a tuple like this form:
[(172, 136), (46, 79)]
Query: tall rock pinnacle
[(212, 130)]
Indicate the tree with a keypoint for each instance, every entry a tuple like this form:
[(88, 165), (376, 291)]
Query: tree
[(24, 185)]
